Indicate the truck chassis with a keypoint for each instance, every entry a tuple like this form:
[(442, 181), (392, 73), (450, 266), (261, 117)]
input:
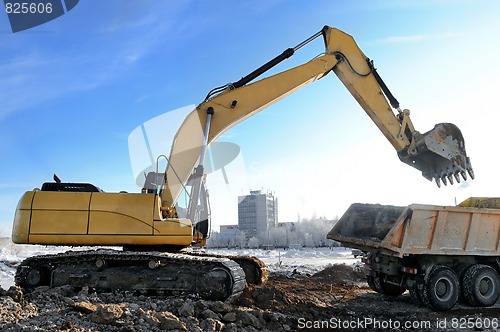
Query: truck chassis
[(441, 255)]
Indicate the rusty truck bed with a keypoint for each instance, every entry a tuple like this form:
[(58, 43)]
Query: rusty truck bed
[(419, 229)]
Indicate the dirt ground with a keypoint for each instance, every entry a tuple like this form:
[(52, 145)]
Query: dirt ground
[(338, 298), (335, 299)]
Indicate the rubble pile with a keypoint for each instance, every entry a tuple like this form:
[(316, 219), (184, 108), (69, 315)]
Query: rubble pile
[(287, 302), (60, 309)]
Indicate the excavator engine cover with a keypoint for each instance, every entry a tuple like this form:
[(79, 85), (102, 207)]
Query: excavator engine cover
[(439, 154)]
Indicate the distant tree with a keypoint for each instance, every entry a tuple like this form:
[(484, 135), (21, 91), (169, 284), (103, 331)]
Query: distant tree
[(275, 237), (241, 239), (253, 242), (308, 232), (214, 241), (309, 240)]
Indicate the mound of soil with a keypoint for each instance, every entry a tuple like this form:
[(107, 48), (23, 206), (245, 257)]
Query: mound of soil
[(340, 274)]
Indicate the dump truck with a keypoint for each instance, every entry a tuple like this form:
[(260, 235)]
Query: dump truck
[(440, 254)]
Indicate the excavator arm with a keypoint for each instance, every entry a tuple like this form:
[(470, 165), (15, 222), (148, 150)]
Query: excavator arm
[(439, 153)]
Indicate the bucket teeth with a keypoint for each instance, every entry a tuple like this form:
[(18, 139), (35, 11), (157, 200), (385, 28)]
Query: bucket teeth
[(447, 176), (471, 172), (464, 175), (443, 178)]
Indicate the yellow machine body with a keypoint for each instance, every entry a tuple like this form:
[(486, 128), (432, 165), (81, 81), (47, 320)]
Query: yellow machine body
[(96, 218)]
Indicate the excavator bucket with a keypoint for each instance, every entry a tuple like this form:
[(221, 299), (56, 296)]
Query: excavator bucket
[(439, 154)]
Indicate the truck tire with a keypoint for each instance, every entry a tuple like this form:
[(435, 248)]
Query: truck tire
[(440, 289), (385, 288), (481, 285), (460, 272)]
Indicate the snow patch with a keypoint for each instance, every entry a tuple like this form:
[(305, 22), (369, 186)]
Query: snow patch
[(304, 260)]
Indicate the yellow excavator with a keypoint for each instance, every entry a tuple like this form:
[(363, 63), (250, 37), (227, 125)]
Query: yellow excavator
[(150, 226)]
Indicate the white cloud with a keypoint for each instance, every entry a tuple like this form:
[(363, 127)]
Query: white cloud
[(417, 38), (41, 76)]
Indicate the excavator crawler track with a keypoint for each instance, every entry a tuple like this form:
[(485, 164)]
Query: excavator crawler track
[(145, 272), (256, 272)]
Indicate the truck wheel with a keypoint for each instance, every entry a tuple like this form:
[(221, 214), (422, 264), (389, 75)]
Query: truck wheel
[(440, 290), (460, 272), (385, 288), (481, 285)]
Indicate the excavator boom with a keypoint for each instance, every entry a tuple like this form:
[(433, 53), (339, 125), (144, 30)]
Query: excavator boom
[(439, 153)]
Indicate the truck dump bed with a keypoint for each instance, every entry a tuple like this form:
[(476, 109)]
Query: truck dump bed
[(420, 229)]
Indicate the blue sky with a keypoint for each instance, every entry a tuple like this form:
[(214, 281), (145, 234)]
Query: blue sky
[(73, 89)]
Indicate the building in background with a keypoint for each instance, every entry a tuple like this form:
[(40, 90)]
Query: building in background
[(228, 235), (257, 213), (229, 229), (228, 232)]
